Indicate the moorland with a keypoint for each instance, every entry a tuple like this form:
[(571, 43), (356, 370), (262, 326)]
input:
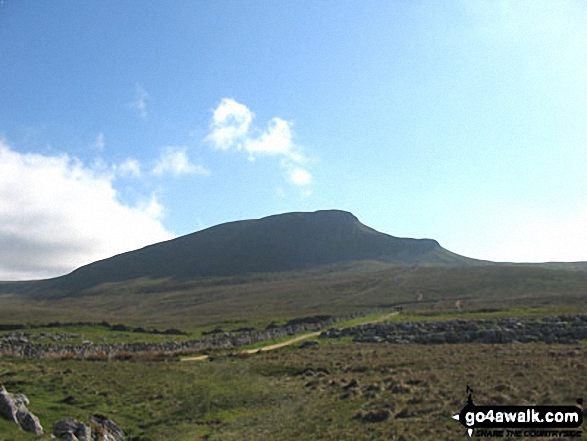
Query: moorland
[(266, 273)]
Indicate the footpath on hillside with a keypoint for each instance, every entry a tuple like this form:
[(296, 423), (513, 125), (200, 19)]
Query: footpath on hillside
[(291, 341)]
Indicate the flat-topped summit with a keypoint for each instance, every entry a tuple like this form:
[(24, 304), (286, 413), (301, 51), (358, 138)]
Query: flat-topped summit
[(284, 266), (284, 242)]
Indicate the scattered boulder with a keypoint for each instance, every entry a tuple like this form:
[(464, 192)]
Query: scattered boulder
[(13, 407), (106, 429), (69, 429), (29, 422), (101, 428)]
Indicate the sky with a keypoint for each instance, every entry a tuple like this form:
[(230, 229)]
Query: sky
[(127, 123)]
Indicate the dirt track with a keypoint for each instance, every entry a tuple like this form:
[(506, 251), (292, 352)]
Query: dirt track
[(285, 343)]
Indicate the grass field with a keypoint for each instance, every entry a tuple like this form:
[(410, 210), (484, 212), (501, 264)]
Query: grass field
[(329, 392), (326, 392)]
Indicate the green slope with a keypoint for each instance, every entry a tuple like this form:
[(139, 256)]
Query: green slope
[(287, 242), (286, 266), (334, 290)]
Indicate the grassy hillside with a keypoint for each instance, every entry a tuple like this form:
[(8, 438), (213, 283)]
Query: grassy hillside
[(334, 290), (282, 267), (287, 242)]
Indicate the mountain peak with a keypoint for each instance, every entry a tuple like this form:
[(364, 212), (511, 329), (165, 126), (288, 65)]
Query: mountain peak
[(283, 242), (324, 215)]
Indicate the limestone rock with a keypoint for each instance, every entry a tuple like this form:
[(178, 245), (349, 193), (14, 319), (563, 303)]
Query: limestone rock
[(13, 407), (105, 429), (69, 429), (7, 405), (28, 421)]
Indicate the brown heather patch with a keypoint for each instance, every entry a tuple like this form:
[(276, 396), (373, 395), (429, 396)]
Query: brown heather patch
[(410, 391)]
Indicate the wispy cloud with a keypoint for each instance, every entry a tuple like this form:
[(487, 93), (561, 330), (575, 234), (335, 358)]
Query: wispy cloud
[(299, 176), (67, 215), (174, 160), (99, 143), (231, 129), (140, 101), (128, 168)]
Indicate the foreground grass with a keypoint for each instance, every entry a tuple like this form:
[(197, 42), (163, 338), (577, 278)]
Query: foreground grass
[(162, 400), (322, 392)]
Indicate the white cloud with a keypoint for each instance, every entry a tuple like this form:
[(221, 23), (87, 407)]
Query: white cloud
[(231, 130), (57, 214), (276, 140), (140, 102), (152, 208), (299, 176), (230, 124), (174, 160), (130, 167)]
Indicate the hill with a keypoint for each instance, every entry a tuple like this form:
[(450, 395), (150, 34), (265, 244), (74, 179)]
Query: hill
[(280, 243), (286, 266)]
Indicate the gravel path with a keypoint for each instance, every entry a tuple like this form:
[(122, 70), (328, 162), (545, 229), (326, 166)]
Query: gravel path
[(285, 343)]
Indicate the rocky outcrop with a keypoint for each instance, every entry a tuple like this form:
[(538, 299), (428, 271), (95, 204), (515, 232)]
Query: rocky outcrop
[(563, 329), (69, 429), (105, 429), (14, 408), (100, 428)]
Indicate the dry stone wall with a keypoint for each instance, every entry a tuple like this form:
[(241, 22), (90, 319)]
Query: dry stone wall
[(18, 345), (564, 329)]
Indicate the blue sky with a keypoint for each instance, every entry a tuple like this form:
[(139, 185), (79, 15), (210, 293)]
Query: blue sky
[(127, 123)]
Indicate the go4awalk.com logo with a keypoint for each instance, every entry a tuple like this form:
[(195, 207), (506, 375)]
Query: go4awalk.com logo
[(520, 421)]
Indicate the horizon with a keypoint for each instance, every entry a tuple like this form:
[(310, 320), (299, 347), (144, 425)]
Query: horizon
[(278, 215), (124, 125)]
